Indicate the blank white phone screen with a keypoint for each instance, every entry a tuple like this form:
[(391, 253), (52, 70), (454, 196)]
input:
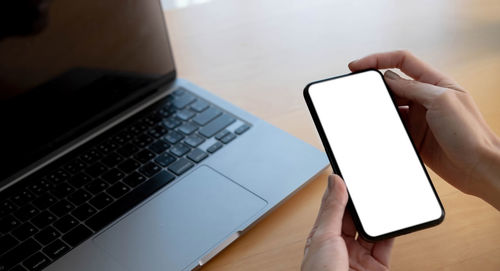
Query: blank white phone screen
[(386, 181)]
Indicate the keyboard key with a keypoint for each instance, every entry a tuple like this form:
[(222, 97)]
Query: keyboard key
[(43, 185), (122, 137), (221, 134), (138, 128), (180, 166), (18, 254), (185, 114), (130, 200), (44, 201), (47, 235), (112, 159), (144, 156), (187, 128), (97, 186), (199, 106), (168, 99), (216, 125), (66, 223), (159, 146), (142, 140), (6, 207), (173, 137), (178, 92), (165, 159), (172, 123), (150, 169), (38, 188), (96, 169), (129, 165), (243, 128), (179, 149), (26, 212), (24, 231), (118, 190), (83, 212), (194, 140), (80, 180), (62, 190), (36, 262), (182, 101), (77, 235), (7, 242), (56, 249), (208, 115), (75, 166), (79, 197), (197, 155), (22, 197), (134, 179), (228, 138), (57, 176), (107, 146), (43, 219), (164, 112), (91, 156), (113, 175), (128, 149), (7, 223), (215, 147), (61, 208), (153, 118), (158, 131), (102, 200)]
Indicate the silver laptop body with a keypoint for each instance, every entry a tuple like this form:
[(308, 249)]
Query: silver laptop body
[(190, 219)]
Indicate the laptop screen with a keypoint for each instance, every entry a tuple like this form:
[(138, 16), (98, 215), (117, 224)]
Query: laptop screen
[(66, 66)]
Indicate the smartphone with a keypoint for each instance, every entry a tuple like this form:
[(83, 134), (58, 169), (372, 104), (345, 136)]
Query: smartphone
[(390, 191)]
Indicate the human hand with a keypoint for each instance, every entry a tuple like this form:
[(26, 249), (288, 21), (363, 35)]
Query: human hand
[(332, 243), (446, 126)]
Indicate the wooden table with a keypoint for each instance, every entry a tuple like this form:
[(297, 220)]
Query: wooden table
[(259, 55)]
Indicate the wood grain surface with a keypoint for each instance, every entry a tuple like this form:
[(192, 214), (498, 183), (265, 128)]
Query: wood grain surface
[(260, 54)]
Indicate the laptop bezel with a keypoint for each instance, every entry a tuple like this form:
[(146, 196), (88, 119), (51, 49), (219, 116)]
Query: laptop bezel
[(151, 90)]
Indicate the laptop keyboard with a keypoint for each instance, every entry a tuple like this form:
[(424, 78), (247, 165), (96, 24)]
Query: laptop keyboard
[(45, 216)]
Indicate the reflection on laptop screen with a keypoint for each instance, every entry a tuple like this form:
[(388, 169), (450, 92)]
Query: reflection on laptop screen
[(66, 65)]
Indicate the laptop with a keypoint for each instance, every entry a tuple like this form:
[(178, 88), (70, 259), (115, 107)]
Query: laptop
[(111, 162)]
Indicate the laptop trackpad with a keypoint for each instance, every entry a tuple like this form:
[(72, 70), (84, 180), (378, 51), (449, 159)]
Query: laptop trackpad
[(181, 224)]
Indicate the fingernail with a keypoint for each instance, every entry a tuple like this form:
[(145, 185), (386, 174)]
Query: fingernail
[(331, 182), (391, 75), (352, 62)]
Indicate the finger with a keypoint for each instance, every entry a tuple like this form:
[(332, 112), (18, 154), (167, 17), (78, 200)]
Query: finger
[(407, 63), (382, 251), (403, 112), (412, 90), (321, 214), (348, 228), (367, 245), (315, 226), (323, 204), (322, 207), (401, 101), (333, 207)]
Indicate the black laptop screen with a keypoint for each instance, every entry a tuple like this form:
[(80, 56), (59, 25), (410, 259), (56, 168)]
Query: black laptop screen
[(66, 66)]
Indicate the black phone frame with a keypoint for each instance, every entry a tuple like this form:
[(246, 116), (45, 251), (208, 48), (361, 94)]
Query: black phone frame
[(336, 169)]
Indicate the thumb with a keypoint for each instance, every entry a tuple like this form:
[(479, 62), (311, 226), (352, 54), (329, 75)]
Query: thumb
[(413, 90), (332, 207)]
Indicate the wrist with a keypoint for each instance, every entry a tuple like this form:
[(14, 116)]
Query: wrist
[(488, 185)]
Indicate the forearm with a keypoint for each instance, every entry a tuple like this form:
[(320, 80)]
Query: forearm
[(489, 183)]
